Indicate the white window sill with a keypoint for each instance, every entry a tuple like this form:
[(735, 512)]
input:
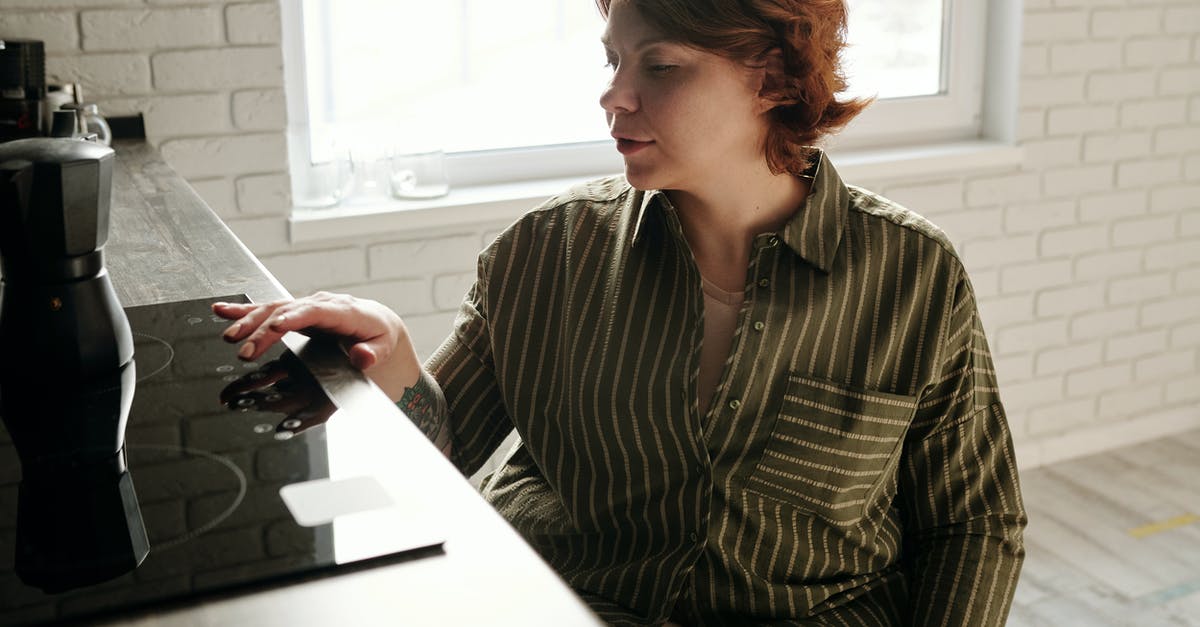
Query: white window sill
[(507, 202)]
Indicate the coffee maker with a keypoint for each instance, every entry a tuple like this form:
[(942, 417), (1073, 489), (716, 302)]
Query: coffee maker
[(66, 365)]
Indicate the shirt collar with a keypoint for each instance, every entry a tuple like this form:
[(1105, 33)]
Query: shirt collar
[(814, 232)]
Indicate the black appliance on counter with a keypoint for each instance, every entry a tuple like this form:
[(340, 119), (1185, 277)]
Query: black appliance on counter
[(22, 88), (141, 462)]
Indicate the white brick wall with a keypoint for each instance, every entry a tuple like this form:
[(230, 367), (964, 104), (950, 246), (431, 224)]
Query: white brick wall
[(1085, 258)]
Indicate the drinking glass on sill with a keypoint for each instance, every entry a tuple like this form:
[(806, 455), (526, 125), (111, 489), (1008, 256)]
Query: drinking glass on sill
[(326, 183), (419, 175)]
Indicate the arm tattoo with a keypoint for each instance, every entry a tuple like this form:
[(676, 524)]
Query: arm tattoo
[(425, 405)]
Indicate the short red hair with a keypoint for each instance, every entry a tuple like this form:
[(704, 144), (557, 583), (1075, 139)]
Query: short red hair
[(809, 36)]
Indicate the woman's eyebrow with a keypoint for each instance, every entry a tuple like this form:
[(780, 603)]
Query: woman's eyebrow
[(649, 41)]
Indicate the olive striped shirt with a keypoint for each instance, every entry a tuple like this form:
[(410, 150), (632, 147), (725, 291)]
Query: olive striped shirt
[(854, 467)]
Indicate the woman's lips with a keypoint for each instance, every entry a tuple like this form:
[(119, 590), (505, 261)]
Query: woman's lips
[(629, 146)]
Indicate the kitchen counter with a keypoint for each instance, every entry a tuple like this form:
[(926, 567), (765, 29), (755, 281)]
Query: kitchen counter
[(166, 244)]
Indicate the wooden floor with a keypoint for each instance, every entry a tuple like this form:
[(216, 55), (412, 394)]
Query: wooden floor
[(1114, 539)]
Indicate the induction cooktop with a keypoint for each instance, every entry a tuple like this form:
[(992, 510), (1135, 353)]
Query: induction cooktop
[(235, 477)]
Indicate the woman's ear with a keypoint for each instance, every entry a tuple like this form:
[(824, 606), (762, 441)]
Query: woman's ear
[(773, 90)]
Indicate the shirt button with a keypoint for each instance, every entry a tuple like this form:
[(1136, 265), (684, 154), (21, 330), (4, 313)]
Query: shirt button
[(764, 282), (734, 404), (774, 241), (693, 537), (759, 326)]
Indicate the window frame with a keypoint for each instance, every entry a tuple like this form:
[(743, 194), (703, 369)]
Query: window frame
[(959, 114)]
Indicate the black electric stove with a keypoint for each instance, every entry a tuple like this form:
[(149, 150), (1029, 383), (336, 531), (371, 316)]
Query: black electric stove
[(244, 475)]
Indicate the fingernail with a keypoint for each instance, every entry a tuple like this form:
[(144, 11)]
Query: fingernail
[(233, 330), (247, 350)]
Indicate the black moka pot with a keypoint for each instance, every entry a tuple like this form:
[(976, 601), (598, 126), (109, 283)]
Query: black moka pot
[(66, 365)]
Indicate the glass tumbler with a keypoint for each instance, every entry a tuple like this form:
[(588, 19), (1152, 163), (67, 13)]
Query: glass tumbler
[(419, 175)]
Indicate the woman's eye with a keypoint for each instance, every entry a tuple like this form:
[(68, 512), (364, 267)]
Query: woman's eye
[(661, 68)]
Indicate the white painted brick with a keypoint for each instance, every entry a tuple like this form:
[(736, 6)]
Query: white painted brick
[(421, 257), (1142, 231), (1139, 288), (1035, 276), (1071, 241), (1006, 311), (1183, 20), (218, 194), (1084, 56), (56, 29), (63, 4), (1148, 173), (1052, 90), (1093, 381), (1178, 308), (1125, 22), (1054, 26), (1175, 197), (1110, 147), (970, 223), (253, 23), (1061, 417), (1118, 86), (1119, 204), (449, 289), (101, 74), (1103, 324), (222, 68), (1155, 52), (1072, 120), (170, 116), (1035, 60), (263, 236), (1166, 365), (1179, 81), (1189, 223), (1031, 123), (1183, 390), (1177, 140), (429, 331), (307, 272), (1067, 358), (1088, 4), (1108, 264), (1070, 300), (1037, 216), (1129, 402), (1187, 280), (1191, 168), (151, 29), (993, 190), (407, 297), (1019, 397), (265, 194), (1013, 369), (1154, 113), (1048, 153), (1173, 254), (1071, 182), (225, 156), (1031, 336), (999, 252), (260, 109), (929, 198), (1185, 334)]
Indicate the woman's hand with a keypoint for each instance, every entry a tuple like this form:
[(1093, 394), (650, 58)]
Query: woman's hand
[(370, 332)]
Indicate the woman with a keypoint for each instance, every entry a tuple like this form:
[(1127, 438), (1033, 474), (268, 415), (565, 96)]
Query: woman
[(745, 391)]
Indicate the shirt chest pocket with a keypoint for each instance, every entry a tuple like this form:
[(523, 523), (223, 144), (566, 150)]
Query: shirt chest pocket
[(831, 447)]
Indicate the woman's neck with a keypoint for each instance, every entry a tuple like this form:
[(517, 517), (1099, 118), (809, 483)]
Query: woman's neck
[(721, 221)]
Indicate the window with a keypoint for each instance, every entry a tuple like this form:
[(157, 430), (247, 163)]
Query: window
[(510, 89)]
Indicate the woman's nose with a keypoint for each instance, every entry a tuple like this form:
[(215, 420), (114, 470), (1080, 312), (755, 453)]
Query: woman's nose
[(619, 96)]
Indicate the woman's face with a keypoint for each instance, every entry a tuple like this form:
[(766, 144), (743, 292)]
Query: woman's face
[(683, 118)]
